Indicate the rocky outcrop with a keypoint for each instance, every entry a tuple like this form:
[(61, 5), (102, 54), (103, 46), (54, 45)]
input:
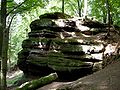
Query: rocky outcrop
[(72, 47)]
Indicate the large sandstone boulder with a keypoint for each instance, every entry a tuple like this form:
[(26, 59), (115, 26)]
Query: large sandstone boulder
[(72, 47)]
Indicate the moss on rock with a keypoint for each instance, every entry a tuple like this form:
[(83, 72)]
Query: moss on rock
[(34, 84), (55, 15)]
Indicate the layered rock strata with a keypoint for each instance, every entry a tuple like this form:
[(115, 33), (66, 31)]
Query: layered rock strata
[(72, 47)]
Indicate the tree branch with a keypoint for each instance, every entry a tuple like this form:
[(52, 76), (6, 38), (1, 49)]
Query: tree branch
[(11, 21), (15, 8)]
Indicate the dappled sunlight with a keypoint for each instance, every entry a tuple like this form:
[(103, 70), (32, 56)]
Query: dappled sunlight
[(14, 74), (83, 28), (110, 49), (92, 48), (14, 77), (23, 84), (59, 22), (97, 56)]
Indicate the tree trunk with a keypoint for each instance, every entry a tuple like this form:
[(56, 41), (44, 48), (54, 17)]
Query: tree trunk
[(4, 58), (85, 8), (0, 48), (79, 7), (4, 44), (63, 6), (104, 15), (108, 15), (1, 36), (34, 84)]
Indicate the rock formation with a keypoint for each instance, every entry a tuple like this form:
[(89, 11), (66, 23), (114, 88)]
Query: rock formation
[(71, 47)]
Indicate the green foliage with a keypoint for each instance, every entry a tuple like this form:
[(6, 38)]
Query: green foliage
[(17, 35), (24, 6), (98, 9)]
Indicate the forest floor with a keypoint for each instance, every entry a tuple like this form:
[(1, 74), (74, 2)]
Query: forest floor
[(12, 78), (105, 79)]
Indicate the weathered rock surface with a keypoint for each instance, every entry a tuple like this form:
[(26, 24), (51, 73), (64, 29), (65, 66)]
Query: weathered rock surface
[(72, 47)]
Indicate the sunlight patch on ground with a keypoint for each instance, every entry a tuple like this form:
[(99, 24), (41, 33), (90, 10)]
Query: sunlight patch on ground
[(12, 75)]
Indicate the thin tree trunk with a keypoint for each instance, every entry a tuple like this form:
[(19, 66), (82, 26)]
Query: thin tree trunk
[(4, 44), (108, 15), (104, 17), (1, 36), (85, 8), (79, 7), (0, 48), (62, 6)]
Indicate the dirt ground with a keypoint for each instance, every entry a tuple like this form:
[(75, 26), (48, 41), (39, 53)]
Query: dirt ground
[(105, 79)]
